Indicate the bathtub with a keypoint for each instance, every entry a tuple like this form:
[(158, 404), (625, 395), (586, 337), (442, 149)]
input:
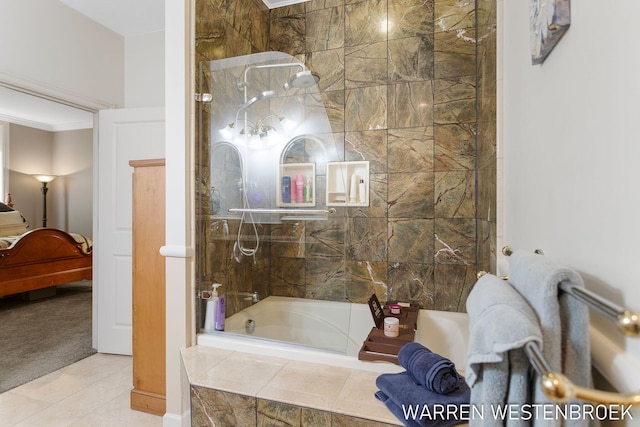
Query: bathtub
[(330, 332)]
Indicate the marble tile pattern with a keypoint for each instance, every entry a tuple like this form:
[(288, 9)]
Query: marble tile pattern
[(408, 85), (282, 392), (486, 145)]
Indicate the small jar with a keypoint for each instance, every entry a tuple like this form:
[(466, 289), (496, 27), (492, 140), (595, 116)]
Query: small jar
[(391, 327), (395, 308)]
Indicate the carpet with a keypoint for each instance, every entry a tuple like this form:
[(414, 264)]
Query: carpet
[(41, 336)]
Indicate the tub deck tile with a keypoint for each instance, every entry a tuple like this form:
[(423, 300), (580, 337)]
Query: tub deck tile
[(357, 398), (344, 392), (310, 378), (197, 360)]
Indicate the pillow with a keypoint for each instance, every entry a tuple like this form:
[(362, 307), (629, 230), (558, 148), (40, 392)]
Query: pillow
[(5, 208), (13, 230), (11, 218), (12, 224)]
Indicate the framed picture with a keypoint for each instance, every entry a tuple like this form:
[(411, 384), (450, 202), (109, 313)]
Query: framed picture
[(549, 20)]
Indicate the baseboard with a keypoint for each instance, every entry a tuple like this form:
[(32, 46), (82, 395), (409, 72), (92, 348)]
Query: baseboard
[(148, 402), (175, 420)]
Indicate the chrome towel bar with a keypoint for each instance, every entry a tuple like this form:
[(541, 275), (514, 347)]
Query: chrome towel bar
[(329, 211)]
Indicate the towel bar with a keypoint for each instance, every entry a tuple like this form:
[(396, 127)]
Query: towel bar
[(558, 387), (329, 211), (626, 320)]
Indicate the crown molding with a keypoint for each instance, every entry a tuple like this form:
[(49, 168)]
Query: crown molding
[(52, 93)]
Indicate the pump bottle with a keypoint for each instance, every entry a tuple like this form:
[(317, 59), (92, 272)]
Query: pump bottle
[(212, 309), (220, 314)]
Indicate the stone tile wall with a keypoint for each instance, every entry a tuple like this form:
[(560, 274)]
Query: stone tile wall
[(407, 88), (486, 168), (211, 407)]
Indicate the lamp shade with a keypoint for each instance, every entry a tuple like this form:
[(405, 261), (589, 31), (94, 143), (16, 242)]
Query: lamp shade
[(44, 178)]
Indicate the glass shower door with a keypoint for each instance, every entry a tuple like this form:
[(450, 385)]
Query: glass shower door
[(265, 227)]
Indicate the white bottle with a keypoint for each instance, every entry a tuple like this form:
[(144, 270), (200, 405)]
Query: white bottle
[(353, 189), (362, 191), (212, 308)]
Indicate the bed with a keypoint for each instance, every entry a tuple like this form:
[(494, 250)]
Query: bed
[(39, 258)]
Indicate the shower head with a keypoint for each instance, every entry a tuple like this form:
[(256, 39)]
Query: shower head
[(302, 79), (265, 94)]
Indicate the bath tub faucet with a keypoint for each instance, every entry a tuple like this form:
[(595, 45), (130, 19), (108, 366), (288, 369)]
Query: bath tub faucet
[(253, 296)]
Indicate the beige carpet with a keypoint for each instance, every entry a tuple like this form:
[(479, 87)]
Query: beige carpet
[(41, 336)]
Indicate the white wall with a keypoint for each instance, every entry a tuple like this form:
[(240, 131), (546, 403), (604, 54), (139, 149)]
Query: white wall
[(144, 70), (570, 145), (30, 152), (50, 47), (179, 134), (46, 42), (69, 156), (72, 162)]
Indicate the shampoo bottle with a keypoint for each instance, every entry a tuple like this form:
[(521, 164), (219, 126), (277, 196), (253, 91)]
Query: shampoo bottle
[(212, 309), (292, 196), (308, 195), (220, 313), (286, 189), (299, 189)]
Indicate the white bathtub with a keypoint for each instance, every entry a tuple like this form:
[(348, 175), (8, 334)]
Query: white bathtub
[(331, 332)]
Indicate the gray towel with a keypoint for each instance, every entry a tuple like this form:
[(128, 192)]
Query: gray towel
[(564, 320), (498, 371)]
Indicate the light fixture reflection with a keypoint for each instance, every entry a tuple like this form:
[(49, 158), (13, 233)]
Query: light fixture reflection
[(227, 131), (267, 132), (288, 125), (385, 26)]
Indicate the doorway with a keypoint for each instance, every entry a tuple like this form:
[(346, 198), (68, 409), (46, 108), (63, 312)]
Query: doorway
[(41, 135)]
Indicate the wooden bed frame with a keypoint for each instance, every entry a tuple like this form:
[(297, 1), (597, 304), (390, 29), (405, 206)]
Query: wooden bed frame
[(42, 258)]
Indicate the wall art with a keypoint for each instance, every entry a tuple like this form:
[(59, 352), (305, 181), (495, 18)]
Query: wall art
[(549, 20)]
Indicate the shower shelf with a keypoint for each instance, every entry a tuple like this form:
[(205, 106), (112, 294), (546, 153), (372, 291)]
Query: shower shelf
[(343, 183), (294, 170)]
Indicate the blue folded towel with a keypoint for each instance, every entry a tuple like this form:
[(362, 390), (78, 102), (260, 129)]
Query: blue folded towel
[(429, 369), (415, 405), (395, 409)]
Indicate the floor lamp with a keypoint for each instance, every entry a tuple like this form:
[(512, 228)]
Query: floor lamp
[(44, 179)]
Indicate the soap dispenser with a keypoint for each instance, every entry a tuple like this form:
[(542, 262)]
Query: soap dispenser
[(220, 314), (212, 309)]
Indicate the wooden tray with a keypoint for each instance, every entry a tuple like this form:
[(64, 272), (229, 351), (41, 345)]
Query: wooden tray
[(379, 347)]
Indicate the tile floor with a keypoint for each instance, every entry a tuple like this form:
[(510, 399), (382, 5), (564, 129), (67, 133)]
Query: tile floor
[(91, 392)]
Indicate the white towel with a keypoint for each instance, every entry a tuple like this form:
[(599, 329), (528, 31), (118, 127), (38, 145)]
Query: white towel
[(498, 371), (563, 319)]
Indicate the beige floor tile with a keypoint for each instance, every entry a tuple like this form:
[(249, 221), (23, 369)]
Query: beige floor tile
[(53, 416), (15, 408), (93, 392)]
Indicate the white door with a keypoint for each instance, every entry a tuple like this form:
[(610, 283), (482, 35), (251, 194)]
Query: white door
[(123, 135)]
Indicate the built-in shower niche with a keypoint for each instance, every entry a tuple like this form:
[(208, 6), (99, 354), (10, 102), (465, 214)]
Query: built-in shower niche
[(348, 183), (297, 185)]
